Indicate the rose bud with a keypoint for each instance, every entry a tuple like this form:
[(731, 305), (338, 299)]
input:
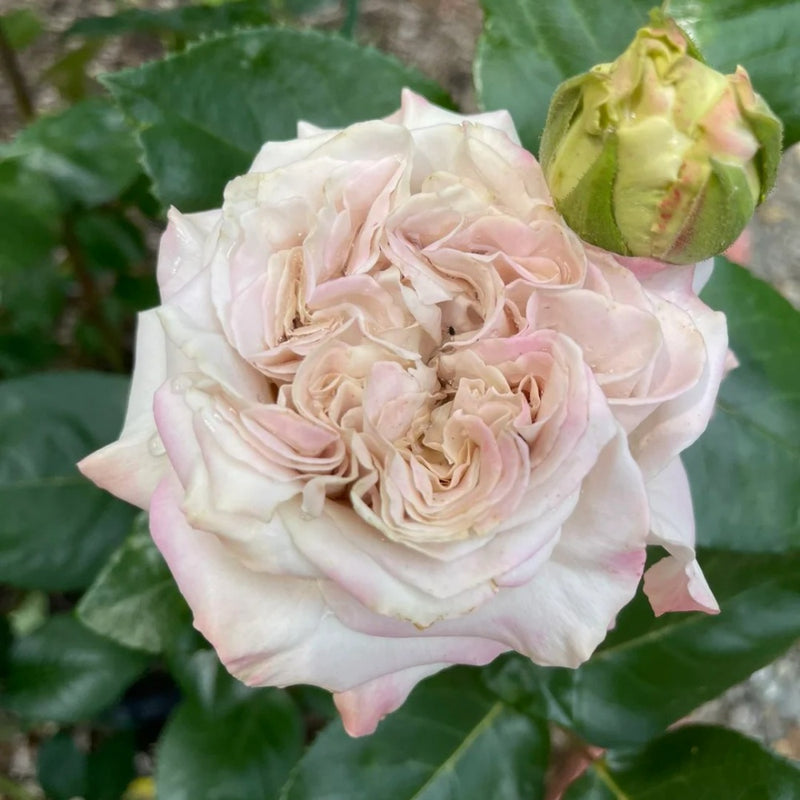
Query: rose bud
[(658, 155)]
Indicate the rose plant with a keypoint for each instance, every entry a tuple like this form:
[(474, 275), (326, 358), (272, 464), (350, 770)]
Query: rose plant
[(392, 414), (391, 409)]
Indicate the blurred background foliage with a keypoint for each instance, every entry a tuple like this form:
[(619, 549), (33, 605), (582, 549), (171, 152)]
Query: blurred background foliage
[(106, 690)]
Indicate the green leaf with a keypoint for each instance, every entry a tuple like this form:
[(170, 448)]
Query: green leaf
[(140, 196), (29, 218), (31, 287), (450, 739), (57, 529), (136, 292), (527, 48), (63, 672), (202, 679), (189, 21), (87, 151), (240, 747), (134, 599), (111, 767), (315, 704), (61, 767), (701, 762), (109, 240), (745, 469), (204, 114), (65, 771), (6, 638), (21, 27), (651, 672), (29, 613), (592, 785), (763, 36), (115, 248)]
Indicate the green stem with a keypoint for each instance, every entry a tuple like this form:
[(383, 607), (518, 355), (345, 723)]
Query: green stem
[(112, 339), (19, 86), (351, 18)]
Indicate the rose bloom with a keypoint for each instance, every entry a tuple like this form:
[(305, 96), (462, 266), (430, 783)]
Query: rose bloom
[(392, 414)]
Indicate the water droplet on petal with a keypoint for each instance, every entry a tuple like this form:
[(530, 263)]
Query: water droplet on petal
[(155, 446), (180, 384), (210, 420)]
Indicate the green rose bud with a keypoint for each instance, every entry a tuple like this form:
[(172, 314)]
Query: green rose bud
[(657, 154)]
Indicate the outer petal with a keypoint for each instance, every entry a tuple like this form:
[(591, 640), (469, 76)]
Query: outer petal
[(184, 249), (678, 422), (275, 155), (324, 543), (277, 631), (365, 706), (132, 466), (675, 583), (450, 568), (566, 609), (702, 273), (229, 488), (417, 112)]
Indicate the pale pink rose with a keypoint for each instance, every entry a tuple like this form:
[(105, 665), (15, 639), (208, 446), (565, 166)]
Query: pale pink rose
[(392, 414)]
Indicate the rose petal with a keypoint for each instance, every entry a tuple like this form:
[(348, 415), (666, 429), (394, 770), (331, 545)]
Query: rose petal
[(559, 616), (675, 583), (185, 248), (678, 422), (417, 112), (363, 707), (277, 631), (132, 466)]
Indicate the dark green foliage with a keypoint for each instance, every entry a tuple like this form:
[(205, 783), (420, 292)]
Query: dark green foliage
[(194, 147)]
